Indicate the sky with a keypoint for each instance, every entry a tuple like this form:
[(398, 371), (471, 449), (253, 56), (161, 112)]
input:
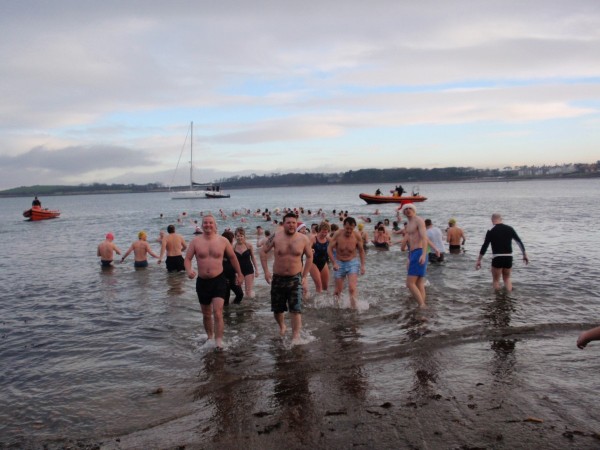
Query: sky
[(104, 92)]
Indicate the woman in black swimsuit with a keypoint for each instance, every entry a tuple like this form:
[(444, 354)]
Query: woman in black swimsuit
[(320, 270), (245, 255)]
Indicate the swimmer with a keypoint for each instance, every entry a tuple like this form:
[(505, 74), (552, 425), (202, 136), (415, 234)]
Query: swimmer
[(416, 240), (173, 244), (245, 256), (106, 250), (320, 269), (140, 249), (455, 237), (588, 336)]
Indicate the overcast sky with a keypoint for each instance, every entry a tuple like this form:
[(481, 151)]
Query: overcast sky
[(104, 91)]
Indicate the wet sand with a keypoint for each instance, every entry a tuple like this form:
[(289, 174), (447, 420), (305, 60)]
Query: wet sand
[(474, 393)]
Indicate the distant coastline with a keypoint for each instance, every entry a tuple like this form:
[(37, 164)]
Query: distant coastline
[(392, 177)]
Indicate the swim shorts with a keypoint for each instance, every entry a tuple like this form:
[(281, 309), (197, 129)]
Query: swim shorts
[(436, 259), (502, 262), (414, 268), (454, 248), (209, 288), (106, 262), (175, 263), (347, 268), (140, 264), (286, 293)]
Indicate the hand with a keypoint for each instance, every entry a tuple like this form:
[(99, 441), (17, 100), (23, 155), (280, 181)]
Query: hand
[(478, 265), (238, 279), (268, 277), (526, 259), (191, 274), (335, 266), (583, 340), (362, 269)]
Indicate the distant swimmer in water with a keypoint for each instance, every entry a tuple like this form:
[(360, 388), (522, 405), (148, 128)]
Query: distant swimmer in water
[(106, 250), (588, 336), (500, 236), (173, 244), (140, 249)]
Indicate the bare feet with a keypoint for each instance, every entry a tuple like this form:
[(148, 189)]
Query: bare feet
[(282, 330)]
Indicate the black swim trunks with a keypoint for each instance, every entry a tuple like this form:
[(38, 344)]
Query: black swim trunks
[(106, 262), (140, 264), (502, 262), (210, 288), (454, 248), (286, 293), (175, 263), (436, 259)]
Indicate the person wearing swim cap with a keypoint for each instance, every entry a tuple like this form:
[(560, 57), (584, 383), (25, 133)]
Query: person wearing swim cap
[(416, 235), (140, 249), (106, 250), (455, 237)]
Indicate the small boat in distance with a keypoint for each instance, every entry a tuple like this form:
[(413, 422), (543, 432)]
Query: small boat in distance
[(396, 197), (197, 190), (36, 213)]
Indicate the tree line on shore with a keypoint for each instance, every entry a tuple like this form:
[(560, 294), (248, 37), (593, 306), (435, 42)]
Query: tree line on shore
[(361, 176)]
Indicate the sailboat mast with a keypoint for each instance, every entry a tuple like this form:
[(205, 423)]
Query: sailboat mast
[(191, 155)]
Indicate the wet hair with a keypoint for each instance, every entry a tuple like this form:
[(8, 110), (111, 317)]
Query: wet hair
[(267, 233), (171, 229), (290, 214), (240, 230), (428, 222), (324, 226), (350, 221), (229, 235)]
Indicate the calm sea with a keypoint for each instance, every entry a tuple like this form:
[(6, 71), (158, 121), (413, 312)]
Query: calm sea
[(82, 350)]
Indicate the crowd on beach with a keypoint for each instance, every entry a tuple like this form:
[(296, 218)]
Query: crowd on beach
[(332, 246)]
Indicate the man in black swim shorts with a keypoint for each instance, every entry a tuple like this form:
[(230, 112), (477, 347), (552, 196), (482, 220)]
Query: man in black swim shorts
[(173, 244)]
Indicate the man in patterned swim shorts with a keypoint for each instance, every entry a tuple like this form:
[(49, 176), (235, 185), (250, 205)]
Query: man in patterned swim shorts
[(288, 273)]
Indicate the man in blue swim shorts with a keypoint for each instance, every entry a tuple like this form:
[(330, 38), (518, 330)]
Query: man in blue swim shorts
[(349, 259), (417, 259)]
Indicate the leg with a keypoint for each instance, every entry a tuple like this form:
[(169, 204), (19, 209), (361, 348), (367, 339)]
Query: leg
[(280, 319), (325, 277), (207, 319), (339, 287), (411, 284), (496, 273), (316, 276), (239, 293), (296, 326), (352, 289), (217, 303), (506, 279), (421, 287), (249, 284)]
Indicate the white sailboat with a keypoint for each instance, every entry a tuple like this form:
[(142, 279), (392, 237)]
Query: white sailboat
[(197, 190)]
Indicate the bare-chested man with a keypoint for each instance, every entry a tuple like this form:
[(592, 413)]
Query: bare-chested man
[(173, 244), (416, 235), (209, 248), (140, 249), (455, 237), (106, 250), (288, 274), (347, 243)]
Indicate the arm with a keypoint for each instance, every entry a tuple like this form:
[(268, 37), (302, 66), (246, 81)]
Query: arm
[(253, 258), (163, 249), (433, 247), (239, 276), (150, 252), (308, 262), (521, 246), (484, 247), (464, 239), (129, 250), (587, 336), (361, 253), (116, 249), (266, 248), (330, 247), (187, 262), (424, 241)]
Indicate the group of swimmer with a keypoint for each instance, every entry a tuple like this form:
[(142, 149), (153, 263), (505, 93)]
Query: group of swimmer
[(223, 265)]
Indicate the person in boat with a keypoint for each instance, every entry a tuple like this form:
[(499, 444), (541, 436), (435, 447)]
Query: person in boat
[(288, 273), (36, 204), (378, 192), (416, 241), (106, 250), (173, 244), (500, 236), (141, 249), (209, 249), (346, 243), (436, 242)]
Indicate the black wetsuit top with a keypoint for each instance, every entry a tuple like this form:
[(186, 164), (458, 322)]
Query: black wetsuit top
[(501, 237)]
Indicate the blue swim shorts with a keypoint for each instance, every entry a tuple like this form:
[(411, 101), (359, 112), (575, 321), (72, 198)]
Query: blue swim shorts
[(414, 268), (347, 268)]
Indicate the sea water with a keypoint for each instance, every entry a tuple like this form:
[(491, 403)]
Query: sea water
[(89, 352)]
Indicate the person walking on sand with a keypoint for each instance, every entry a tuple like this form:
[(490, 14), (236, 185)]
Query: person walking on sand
[(455, 237), (140, 249), (500, 236), (416, 236), (211, 285), (106, 250), (348, 260), (173, 244), (288, 273)]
